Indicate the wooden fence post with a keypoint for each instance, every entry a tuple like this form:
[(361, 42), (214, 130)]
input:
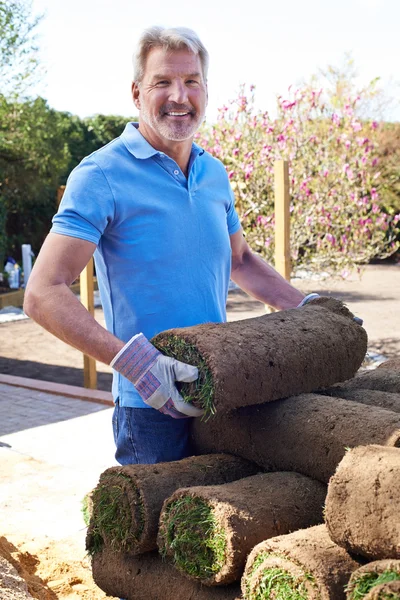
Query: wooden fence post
[(87, 299), (282, 219)]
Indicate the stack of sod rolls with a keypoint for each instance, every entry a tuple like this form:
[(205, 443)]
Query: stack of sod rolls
[(304, 565), (262, 359), (127, 501), (308, 433), (363, 503), (378, 580), (207, 532)]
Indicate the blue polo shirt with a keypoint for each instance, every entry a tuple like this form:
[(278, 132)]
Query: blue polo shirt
[(163, 256)]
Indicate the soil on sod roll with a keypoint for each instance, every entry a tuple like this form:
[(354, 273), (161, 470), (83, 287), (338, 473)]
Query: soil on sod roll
[(304, 565), (387, 400), (385, 380), (371, 575), (269, 357), (385, 591), (127, 500), (307, 433), (148, 577), (208, 532), (362, 509)]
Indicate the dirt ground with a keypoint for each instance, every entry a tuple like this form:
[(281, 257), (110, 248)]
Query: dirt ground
[(51, 565)]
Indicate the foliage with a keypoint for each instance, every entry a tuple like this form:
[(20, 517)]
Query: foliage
[(32, 156), (389, 164), (19, 63), (84, 136), (336, 217)]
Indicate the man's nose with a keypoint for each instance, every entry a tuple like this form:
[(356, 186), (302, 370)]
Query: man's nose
[(178, 92)]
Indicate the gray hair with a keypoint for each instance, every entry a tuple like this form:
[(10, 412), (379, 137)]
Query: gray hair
[(175, 38)]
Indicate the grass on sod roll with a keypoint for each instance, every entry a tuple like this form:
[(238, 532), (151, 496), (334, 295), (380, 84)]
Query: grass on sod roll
[(112, 518), (86, 511), (194, 537), (368, 581), (201, 391), (283, 584)]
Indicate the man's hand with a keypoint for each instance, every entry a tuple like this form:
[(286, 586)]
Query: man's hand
[(154, 376), (313, 296)]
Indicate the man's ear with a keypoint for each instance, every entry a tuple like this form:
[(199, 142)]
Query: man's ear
[(136, 94)]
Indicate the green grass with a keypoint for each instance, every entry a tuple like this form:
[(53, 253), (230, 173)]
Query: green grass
[(193, 536), (367, 581), (86, 508), (112, 517), (201, 391), (277, 583)]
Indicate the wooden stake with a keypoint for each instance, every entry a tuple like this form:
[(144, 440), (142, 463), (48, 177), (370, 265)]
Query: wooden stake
[(282, 219), (87, 299)]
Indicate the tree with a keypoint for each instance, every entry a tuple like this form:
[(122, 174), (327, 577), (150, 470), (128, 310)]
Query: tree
[(19, 59)]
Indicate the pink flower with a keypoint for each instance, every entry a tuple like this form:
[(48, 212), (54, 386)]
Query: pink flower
[(325, 173), (281, 137), (374, 125), (231, 174), (374, 194)]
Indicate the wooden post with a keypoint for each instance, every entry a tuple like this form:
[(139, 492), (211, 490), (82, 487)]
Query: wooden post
[(87, 299), (282, 219)]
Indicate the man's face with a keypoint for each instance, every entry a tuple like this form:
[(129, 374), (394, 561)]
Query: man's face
[(172, 95)]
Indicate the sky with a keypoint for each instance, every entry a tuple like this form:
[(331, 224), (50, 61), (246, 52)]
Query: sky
[(87, 46)]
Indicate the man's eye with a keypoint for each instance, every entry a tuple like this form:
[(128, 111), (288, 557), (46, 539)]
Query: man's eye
[(192, 82), (162, 82)]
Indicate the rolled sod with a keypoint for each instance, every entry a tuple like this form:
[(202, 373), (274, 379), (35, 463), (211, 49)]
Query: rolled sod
[(385, 380), (385, 591), (372, 576), (148, 577), (207, 532), (392, 364), (387, 400), (362, 509), (127, 500), (269, 357), (308, 434), (304, 565)]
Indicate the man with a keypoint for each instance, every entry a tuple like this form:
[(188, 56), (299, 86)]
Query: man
[(158, 213)]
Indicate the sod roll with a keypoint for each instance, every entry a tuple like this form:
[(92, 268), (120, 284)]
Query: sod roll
[(304, 565), (363, 503), (385, 380), (307, 433), (387, 400), (127, 500), (269, 357), (148, 577), (392, 364), (385, 591), (207, 532), (371, 576)]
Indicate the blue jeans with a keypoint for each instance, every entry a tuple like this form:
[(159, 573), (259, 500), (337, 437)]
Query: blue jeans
[(146, 436)]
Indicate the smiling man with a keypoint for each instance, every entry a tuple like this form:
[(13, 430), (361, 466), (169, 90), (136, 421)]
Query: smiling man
[(158, 214)]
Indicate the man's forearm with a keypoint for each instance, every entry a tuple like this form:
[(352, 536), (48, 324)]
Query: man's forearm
[(58, 310), (262, 282)]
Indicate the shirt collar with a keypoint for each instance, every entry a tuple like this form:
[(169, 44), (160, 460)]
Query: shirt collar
[(140, 147)]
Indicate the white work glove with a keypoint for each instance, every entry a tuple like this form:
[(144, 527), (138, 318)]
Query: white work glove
[(154, 376), (313, 296)]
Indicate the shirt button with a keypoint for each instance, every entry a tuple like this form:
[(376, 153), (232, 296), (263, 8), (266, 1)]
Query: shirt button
[(176, 172)]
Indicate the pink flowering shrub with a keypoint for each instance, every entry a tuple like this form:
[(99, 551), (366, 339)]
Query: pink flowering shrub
[(336, 216)]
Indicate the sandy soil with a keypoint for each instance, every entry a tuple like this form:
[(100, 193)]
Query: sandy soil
[(52, 566)]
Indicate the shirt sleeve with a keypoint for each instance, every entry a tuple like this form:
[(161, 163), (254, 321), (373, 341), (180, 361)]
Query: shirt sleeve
[(231, 214), (87, 207)]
